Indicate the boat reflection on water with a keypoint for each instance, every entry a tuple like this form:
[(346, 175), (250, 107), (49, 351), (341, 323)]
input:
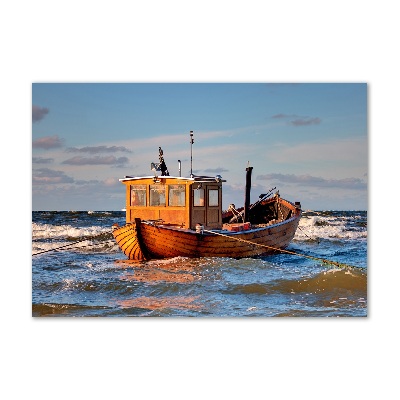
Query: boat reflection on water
[(168, 302), (177, 271), (156, 276)]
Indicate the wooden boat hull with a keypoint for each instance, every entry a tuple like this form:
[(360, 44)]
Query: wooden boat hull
[(143, 240), (128, 240)]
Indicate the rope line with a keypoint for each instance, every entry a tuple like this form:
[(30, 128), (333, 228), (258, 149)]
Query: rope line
[(307, 235), (75, 243), (325, 261)]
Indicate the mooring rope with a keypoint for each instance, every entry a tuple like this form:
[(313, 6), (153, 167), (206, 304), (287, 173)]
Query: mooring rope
[(323, 260), (75, 243), (307, 235)]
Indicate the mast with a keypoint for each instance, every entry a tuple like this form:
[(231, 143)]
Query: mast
[(191, 154)]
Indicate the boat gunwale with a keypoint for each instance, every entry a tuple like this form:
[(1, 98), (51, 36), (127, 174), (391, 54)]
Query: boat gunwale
[(209, 232)]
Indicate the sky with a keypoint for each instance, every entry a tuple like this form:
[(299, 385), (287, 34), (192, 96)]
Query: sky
[(309, 140)]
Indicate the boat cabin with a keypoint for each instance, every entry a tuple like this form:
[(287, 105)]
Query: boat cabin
[(184, 202)]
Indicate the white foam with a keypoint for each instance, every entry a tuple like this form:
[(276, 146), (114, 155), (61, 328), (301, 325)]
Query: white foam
[(46, 231), (315, 227)]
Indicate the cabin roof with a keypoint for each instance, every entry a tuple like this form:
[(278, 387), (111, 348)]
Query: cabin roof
[(193, 179)]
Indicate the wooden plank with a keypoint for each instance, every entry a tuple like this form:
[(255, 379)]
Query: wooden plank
[(173, 242)]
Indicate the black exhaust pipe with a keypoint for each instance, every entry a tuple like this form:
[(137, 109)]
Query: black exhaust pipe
[(247, 195)]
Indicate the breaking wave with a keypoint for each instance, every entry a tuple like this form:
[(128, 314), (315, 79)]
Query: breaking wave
[(327, 225)]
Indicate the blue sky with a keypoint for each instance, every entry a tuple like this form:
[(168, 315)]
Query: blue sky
[(310, 140)]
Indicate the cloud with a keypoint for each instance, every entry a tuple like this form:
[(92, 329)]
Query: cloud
[(38, 113), (216, 170), (87, 182), (111, 182), (305, 121), (46, 176), (108, 182), (313, 181), (284, 116), (348, 151), (107, 160), (47, 142), (88, 194), (297, 120), (41, 160), (98, 149)]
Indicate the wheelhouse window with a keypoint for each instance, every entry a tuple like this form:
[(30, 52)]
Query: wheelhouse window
[(138, 195), (198, 197), (176, 195), (157, 195), (213, 198)]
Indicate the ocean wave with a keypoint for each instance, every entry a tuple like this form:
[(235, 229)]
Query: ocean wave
[(331, 281), (99, 213), (54, 309), (86, 246), (49, 231), (328, 227)]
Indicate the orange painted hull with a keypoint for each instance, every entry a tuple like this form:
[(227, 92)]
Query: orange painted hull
[(144, 240), (128, 240)]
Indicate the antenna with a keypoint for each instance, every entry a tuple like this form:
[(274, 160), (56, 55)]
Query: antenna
[(191, 154)]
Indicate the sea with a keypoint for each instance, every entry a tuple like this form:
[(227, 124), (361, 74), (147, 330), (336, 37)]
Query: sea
[(79, 271)]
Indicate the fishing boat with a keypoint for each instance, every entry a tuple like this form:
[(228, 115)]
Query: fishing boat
[(169, 216)]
